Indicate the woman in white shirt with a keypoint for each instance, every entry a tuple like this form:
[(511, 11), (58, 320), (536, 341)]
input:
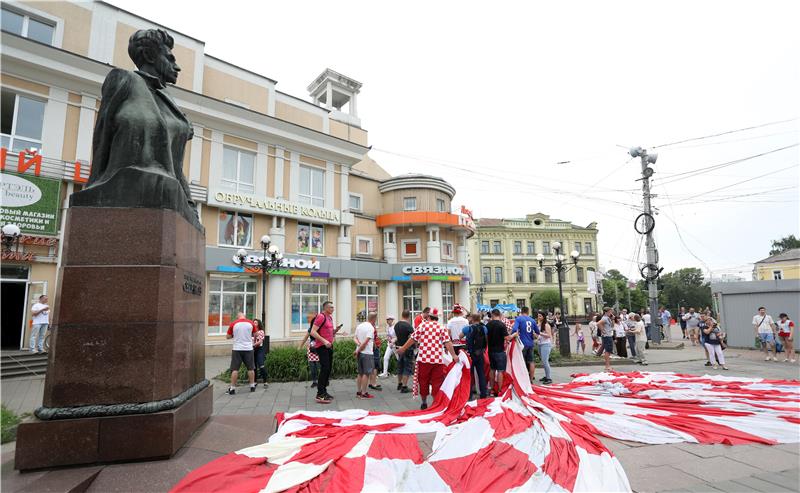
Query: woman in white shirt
[(619, 337)]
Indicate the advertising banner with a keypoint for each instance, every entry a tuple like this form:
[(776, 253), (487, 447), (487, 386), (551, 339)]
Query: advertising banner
[(30, 202)]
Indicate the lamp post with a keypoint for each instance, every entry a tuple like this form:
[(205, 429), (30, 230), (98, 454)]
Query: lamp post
[(561, 267), (270, 260), (11, 234), (480, 290)]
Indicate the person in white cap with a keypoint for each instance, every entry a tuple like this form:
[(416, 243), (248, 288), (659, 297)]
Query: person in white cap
[(391, 337), (456, 326)]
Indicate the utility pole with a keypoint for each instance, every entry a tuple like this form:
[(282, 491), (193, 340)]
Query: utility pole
[(645, 224), (630, 308)]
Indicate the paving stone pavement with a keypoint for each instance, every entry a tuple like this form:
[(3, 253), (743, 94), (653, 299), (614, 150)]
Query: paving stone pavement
[(676, 467)]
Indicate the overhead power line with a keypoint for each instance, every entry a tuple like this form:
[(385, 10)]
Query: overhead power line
[(737, 183), (711, 136)]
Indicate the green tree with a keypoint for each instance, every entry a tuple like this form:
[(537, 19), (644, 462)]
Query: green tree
[(785, 243), (545, 300), (685, 287)]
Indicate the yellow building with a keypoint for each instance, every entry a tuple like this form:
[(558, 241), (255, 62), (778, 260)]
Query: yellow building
[(504, 267), (784, 265), (261, 162)]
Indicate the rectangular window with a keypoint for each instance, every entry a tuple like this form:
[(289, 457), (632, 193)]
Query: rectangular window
[(226, 298), (410, 248), (363, 246), (521, 302), (517, 248), (486, 275), (440, 205), (355, 202), (498, 275), (546, 247), (238, 170), (235, 229), (484, 247), (498, 247), (448, 299), (531, 248), (578, 247), (518, 278), (310, 239), (307, 299), (312, 186), (531, 274), (548, 275), (28, 27), (579, 273), (22, 121), (366, 300), (447, 249), (409, 203), (412, 298), (588, 249), (494, 303), (777, 275)]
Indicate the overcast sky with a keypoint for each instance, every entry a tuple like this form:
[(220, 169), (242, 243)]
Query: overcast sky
[(494, 95)]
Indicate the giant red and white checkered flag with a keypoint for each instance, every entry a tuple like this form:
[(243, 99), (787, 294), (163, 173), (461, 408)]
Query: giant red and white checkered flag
[(527, 440)]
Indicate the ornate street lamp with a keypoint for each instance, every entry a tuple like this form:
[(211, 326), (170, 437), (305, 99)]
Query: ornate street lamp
[(11, 234), (270, 260), (561, 267)]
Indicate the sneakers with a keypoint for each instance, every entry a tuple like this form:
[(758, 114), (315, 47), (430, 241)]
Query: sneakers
[(716, 367), (708, 363), (324, 399), (399, 386), (313, 385), (253, 388), (376, 387), (792, 360), (774, 358), (231, 391), (766, 359), (424, 406), (785, 360), (547, 381), (266, 385), (724, 367), (365, 395), (404, 390)]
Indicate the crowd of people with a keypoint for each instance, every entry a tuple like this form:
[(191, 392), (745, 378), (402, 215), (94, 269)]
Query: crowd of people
[(424, 347)]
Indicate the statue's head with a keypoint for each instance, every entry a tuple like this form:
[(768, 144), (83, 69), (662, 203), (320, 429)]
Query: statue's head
[(151, 51)]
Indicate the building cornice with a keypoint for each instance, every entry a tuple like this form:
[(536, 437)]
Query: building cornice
[(412, 181)]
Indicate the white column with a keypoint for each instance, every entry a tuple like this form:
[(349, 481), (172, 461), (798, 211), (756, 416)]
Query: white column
[(390, 248), (392, 297), (344, 243), (353, 108), (215, 166), (103, 33), (329, 96), (278, 178), (462, 293), (435, 294), (344, 189), (261, 170), (329, 188), (83, 150), (433, 246), (196, 156), (277, 323), (343, 305), (55, 114), (294, 176)]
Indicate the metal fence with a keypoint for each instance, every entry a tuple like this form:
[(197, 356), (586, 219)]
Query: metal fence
[(738, 302)]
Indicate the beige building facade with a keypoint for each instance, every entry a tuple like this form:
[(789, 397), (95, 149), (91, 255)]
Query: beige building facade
[(261, 162), (784, 265), (504, 267)]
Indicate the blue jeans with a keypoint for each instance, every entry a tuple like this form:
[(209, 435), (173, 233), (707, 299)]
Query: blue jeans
[(37, 337), (632, 344), (544, 353), (477, 364)]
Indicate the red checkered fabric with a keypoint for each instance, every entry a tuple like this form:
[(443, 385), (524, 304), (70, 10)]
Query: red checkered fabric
[(311, 355), (430, 337), (509, 324)]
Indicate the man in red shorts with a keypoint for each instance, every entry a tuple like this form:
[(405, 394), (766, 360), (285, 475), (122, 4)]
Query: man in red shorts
[(431, 338)]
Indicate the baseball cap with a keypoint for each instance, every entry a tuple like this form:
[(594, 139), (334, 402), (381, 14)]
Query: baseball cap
[(434, 313), (458, 308), (390, 317)]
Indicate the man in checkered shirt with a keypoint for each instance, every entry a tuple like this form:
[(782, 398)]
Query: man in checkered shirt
[(431, 339)]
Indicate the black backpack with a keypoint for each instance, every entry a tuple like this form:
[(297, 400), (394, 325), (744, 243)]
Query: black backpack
[(478, 337)]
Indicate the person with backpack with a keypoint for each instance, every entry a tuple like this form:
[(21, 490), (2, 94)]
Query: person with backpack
[(323, 333), (475, 335)]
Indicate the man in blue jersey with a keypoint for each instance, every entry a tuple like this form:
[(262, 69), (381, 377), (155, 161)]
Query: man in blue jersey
[(528, 331)]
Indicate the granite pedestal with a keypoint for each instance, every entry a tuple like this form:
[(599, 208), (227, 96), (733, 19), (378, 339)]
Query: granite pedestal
[(128, 330)]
